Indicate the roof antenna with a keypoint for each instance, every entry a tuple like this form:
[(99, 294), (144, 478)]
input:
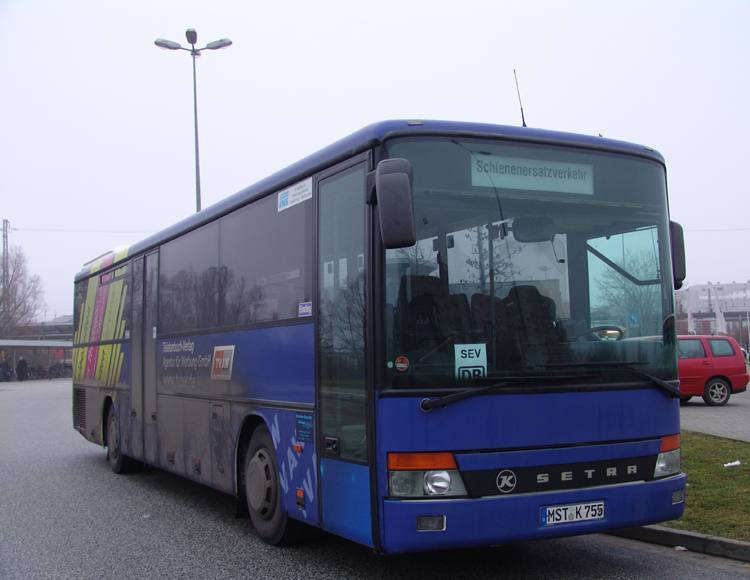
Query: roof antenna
[(519, 98)]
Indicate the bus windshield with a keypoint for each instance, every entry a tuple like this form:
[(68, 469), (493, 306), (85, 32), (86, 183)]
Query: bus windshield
[(532, 262)]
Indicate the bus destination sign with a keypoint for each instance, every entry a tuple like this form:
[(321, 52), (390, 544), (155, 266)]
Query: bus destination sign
[(531, 174)]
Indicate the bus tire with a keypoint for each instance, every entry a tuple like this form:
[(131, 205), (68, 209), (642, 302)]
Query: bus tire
[(263, 491), (717, 392), (117, 461)]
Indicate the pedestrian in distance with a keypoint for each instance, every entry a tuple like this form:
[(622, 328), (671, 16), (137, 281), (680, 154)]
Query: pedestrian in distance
[(22, 369), (5, 371)]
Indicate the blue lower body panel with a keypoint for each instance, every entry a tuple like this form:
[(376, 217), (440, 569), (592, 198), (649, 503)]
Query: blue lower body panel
[(509, 519), (345, 489)]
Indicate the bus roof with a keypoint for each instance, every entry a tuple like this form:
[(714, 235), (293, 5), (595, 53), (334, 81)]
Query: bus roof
[(355, 143)]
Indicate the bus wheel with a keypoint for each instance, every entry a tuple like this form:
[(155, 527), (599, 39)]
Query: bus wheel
[(264, 493), (117, 461), (717, 392)]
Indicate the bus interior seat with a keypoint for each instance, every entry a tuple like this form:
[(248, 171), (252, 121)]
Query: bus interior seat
[(459, 317), (425, 313), (531, 317), (506, 353)]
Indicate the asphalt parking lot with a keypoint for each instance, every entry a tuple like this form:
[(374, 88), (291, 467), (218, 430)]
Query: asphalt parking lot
[(731, 421)]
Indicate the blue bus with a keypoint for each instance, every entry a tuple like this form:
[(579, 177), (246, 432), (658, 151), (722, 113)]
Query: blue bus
[(427, 335)]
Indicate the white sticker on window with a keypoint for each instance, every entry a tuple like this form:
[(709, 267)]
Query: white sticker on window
[(531, 174), (471, 361), (295, 194)]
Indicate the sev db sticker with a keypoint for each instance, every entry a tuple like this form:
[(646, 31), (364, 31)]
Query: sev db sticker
[(471, 361), (221, 369)]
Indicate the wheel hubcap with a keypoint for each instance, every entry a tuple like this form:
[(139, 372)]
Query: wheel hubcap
[(261, 484), (718, 392)]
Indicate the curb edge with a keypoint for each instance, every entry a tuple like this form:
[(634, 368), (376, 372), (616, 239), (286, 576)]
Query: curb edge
[(694, 542)]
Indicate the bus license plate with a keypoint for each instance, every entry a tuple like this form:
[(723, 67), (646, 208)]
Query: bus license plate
[(579, 512)]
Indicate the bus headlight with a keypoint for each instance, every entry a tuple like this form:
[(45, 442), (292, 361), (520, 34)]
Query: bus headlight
[(423, 475), (437, 482), (425, 483), (403, 483), (667, 463)]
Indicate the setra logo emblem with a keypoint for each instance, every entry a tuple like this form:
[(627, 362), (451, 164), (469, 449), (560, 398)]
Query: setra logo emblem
[(506, 481)]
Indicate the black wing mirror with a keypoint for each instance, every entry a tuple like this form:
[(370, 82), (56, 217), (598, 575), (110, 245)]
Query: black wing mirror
[(679, 267), (395, 198)]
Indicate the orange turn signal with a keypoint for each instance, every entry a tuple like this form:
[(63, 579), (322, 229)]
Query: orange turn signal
[(670, 443), (420, 461)]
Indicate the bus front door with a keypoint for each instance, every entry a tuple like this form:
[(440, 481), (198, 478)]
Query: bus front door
[(342, 425)]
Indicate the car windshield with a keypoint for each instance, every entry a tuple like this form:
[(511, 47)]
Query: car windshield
[(530, 261)]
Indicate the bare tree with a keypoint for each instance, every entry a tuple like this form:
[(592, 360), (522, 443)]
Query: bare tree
[(621, 298), (342, 328), (23, 298), (497, 264), (213, 296), (347, 315), (421, 258)]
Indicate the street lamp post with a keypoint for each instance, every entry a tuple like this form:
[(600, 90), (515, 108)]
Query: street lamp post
[(192, 38)]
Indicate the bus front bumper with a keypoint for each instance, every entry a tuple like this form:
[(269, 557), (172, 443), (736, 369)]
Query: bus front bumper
[(509, 519)]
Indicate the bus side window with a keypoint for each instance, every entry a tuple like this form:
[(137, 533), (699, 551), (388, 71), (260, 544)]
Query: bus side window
[(251, 266)]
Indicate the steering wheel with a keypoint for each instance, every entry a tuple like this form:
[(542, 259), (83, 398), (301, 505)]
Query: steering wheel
[(593, 330)]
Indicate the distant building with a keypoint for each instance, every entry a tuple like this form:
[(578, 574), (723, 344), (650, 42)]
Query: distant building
[(42, 344), (60, 328), (707, 303)]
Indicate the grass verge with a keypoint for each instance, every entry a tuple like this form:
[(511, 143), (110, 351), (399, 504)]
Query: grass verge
[(718, 497)]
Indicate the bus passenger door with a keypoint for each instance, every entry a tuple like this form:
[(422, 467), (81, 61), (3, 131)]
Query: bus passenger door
[(136, 363), (150, 287), (342, 403)]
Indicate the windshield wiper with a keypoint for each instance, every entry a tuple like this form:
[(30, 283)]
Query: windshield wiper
[(628, 366), (442, 402), (428, 404)]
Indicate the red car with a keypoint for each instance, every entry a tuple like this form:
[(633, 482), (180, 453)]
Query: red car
[(712, 367)]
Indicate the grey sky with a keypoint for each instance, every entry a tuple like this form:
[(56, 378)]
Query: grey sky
[(96, 123)]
